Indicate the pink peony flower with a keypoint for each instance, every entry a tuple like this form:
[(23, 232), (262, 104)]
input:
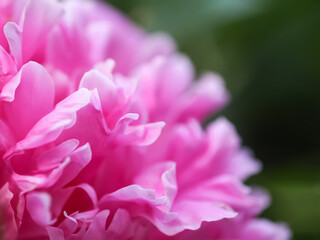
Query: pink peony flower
[(101, 136)]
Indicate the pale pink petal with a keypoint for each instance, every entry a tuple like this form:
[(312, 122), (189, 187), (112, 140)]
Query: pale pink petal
[(191, 213), (207, 96), (226, 153), (262, 229), (39, 18), (13, 34), (162, 82), (38, 205), (157, 44), (98, 33), (227, 190)]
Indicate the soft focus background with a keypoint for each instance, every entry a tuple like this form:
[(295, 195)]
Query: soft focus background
[(268, 51)]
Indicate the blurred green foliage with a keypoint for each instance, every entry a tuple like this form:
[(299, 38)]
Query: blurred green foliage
[(268, 51)]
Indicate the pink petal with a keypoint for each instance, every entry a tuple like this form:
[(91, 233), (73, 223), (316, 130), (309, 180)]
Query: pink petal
[(39, 18), (53, 157), (13, 34), (108, 92), (157, 44), (149, 179), (7, 65), (52, 125), (38, 205), (207, 96), (120, 227), (142, 135), (97, 227), (35, 94), (55, 233), (9, 226), (78, 160), (262, 229)]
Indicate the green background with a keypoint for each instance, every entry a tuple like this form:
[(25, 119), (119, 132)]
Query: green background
[(268, 51)]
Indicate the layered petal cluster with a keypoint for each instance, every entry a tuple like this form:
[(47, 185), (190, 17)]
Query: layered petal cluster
[(101, 135)]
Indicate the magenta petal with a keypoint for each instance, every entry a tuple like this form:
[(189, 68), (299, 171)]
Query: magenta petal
[(78, 160), (120, 226), (62, 195), (7, 65), (6, 137), (9, 225), (97, 227), (69, 224), (55, 233)]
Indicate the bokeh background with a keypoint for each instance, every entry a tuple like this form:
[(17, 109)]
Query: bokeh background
[(268, 52)]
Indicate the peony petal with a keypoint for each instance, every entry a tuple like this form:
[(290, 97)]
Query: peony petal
[(55, 233), (157, 44), (97, 227), (120, 225), (7, 65), (9, 226), (51, 126), (39, 18), (225, 151), (13, 34), (35, 94), (142, 135), (207, 96), (262, 229), (38, 205), (225, 189), (107, 90), (149, 179), (53, 157), (78, 160)]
